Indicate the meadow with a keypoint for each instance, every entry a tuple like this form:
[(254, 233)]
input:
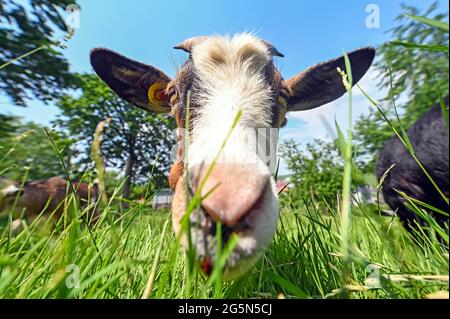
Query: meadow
[(351, 251), (137, 255)]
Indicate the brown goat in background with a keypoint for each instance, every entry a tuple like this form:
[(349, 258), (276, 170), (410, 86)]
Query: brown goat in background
[(47, 196)]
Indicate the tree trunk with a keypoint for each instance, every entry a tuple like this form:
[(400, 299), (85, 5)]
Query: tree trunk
[(128, 174)]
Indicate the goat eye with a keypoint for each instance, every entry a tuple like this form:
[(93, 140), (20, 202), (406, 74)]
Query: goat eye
[(283, 97), (172, 93), (282, 101), (173, 97)]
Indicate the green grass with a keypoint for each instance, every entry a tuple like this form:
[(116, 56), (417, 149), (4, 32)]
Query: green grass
[(132, 253), (304, 260)]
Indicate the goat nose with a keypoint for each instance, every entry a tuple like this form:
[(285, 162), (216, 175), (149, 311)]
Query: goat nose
[(230, 191)]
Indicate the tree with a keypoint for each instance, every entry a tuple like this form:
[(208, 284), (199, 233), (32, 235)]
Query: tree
[(135, 142), (8, 125), (421, 74), (23, 28), (316, 171), (26, 148)]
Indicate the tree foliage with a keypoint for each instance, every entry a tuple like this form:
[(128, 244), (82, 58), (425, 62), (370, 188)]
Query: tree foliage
[(419, 77), (23, 28), (316, 171), (137, 143), (26, 149), (8, 125)]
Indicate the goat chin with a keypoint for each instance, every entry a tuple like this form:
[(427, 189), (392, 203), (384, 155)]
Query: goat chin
[(252, 241)]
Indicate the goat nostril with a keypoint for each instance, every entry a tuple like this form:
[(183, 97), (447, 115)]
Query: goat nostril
[(207, 265)]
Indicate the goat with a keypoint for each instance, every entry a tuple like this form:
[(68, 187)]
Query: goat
[(45, 196), (225, 76), (430, 140)]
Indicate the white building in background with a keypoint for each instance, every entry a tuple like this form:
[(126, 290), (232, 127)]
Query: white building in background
[(365, 195), (162, 199)]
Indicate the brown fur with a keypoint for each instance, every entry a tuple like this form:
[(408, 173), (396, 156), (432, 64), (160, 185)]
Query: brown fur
[(48, 196), (245, 202)]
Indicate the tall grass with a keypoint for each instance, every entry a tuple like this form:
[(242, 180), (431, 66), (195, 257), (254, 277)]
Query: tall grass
[(132, 254), (135, 255), (347, 80)]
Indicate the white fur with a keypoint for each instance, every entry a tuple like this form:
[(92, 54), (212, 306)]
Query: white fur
[(11, 189), (231, 74)]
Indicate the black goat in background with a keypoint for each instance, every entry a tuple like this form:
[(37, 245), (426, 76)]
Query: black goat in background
[(430, 140)]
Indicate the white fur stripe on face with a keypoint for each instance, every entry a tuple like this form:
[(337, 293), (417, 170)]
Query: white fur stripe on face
[(231, 74), (10, 190)]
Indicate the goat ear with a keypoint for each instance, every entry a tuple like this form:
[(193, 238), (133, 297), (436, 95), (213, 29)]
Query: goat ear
[(140, 84), (321, 83)]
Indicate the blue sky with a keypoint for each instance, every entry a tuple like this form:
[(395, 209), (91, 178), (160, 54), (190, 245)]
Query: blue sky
[(307, 32)]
